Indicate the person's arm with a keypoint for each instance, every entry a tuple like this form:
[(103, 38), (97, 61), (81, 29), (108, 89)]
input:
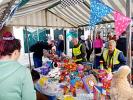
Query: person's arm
[(122, 59), (101, 43), (102, 59), (46, 46), (28, 92)]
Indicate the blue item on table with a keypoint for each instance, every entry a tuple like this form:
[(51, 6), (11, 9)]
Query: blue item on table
[(44, 71), (52, 98), (49, 64)]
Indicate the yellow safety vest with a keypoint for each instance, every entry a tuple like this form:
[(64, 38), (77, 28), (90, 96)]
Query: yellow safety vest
[(76, 52), (114, 59)]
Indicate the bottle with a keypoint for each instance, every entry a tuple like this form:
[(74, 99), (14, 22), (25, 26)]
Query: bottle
[(101, 65)]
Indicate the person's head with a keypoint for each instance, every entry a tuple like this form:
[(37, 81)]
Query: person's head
[(124, 33), (112, 45), (35, 75), (61, 37), (9, 46), (75, 41), (53, 43), (82, 37), (98, 35), (114, 37)]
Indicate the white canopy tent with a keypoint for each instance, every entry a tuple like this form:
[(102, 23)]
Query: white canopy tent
[(49, 13)]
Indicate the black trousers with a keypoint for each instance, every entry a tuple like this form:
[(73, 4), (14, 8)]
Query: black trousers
[(88, 53)]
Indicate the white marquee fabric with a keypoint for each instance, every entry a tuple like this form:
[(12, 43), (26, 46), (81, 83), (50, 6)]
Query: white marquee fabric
[(49, 13)]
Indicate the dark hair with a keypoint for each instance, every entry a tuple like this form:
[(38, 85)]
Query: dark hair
[(8, 44), (35, 75)]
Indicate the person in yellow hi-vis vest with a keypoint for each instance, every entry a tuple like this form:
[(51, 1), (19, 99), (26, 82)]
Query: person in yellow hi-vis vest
[(78, 51), (113, 57)]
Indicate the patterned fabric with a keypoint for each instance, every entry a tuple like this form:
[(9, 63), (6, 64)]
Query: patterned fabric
[(98, 10), (121, 23), (65, 3)]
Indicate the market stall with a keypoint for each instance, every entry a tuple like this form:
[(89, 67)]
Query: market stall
[(66, 79)]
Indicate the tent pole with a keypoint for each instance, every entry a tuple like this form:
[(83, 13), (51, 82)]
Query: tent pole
[(27, 41), (129, 36)]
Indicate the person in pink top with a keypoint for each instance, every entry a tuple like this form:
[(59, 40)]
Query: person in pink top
[(98, 44)]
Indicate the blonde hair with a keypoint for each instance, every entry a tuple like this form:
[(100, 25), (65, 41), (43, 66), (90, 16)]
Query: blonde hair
[(113, 42)]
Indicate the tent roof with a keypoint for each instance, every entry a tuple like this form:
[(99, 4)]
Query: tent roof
[(50, 11)]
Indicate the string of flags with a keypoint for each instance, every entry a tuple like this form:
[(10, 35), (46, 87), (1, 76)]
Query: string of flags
[(98, 10), (121, 23)]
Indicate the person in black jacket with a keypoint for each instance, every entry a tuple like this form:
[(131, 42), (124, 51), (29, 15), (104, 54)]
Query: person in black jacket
[(121, 44), (38, 52)]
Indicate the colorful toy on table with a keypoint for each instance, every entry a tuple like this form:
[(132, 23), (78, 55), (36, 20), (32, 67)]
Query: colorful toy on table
[(69, 98), (63, 74), (104, 90), (66, 59), (42, 81), (57, 64), (88, 68), (105, 76), (100, 93), (79, 84), (71, 66), (101, 71), (44, 70), (66, 90), (73, 81), (73, 90), (89, 82), (107, 79), (54, 73), (49, 64), (80, 68)]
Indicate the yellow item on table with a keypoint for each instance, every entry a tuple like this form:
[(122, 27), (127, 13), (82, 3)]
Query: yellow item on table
[(109, 70), (68, 98), (42, 81)]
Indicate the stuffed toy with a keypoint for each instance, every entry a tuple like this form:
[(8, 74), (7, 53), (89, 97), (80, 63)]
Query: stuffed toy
[(120, 87)]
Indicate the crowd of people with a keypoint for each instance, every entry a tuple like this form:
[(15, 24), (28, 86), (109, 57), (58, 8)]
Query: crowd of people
[(21, 85), (111, 51)]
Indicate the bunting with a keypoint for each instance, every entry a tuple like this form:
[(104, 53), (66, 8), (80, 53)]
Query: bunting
[(98, 10), (121, 23), (94, 19)]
